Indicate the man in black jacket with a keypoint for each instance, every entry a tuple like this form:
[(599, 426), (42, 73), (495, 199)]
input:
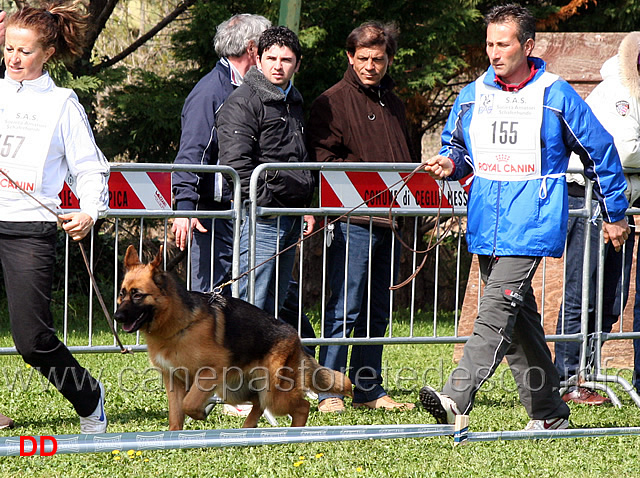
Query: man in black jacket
[(236, 43), (262, 122)]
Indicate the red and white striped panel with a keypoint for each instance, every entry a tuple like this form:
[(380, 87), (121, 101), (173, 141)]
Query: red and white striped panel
[(378, 189), (129, 190)]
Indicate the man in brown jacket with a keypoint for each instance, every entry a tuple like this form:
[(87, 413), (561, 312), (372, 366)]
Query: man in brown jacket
[(360, 119)]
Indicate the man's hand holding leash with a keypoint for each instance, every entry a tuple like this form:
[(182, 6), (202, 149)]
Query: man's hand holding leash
[(438, 167)]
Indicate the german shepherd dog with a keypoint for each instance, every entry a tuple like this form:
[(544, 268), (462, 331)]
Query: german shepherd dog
[(207, 344)]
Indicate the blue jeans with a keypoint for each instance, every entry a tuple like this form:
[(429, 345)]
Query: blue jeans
[(365, 370), (268, 230), (201, 255), (567, 354)]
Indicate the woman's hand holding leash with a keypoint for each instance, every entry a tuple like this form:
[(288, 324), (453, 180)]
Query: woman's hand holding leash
[(76, 224)]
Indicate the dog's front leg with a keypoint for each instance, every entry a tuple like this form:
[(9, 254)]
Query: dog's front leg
[(203, 387), (175, 394)]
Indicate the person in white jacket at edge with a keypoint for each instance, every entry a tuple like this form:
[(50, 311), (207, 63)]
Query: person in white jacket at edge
[(616, 103), (45, 135)]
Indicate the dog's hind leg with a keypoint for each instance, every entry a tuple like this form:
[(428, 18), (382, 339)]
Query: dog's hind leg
[(196, 399), (256, 412), (291, 403), (299, 413)]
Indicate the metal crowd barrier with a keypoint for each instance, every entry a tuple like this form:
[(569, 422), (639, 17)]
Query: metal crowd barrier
[(137, 228), (160, 232), (592, 373)]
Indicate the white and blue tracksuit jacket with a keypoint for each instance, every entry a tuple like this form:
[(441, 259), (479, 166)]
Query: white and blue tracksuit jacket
[(529, 217)]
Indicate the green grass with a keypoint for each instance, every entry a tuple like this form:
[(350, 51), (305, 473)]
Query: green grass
[(136, 402)]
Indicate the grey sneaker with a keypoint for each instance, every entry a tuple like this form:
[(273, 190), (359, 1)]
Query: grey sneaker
[(443, 408), (548, 424), (5, 422), (97, 421)]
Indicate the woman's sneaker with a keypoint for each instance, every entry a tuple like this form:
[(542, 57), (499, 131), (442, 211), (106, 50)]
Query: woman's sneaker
[(443, 408), (97, 421), (548, 424), (239, 410)]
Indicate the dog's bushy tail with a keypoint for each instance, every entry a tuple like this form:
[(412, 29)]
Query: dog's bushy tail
[(322, 379)]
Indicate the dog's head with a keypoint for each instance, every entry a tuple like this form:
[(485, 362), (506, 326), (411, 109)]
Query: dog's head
[(140, 291)]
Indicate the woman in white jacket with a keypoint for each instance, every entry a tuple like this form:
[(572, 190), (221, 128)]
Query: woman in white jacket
[(45, 135)]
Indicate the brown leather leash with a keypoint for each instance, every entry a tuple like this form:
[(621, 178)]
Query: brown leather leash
[(404, 182), (107, 315), (431, 245)]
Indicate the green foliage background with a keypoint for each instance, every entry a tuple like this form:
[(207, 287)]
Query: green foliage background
[(136, 104), (440, 40)]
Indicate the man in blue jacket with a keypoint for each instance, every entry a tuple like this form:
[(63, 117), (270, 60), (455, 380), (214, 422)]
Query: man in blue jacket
[(514, 128), (236, 43)]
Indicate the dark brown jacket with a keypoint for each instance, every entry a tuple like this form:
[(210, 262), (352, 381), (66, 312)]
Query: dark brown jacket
[(352, 122)]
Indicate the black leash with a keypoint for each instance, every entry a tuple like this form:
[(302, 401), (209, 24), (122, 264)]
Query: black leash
[(107, 315)]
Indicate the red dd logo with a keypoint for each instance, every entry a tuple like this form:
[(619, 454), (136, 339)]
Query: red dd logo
[(33, 447)]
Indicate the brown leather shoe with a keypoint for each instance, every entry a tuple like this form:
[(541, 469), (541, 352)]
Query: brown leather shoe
[(585, 396), (5, 422), (331, 405), (385, 402)]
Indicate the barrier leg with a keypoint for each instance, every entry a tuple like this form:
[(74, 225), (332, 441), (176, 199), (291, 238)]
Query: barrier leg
[(461, 430)]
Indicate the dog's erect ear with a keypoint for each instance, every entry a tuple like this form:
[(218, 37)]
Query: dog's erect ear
[(131, 258), (158, 259)]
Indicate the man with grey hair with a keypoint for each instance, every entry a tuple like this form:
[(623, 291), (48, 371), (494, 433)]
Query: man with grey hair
[(236, 43)]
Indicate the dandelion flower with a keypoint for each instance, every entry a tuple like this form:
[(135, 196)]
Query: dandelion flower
[(116, 452), (138, 453), (359, 469), (319, 455), (298, 463), (116, 458)]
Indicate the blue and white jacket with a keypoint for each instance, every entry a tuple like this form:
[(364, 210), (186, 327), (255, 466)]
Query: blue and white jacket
[(529, 217)]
